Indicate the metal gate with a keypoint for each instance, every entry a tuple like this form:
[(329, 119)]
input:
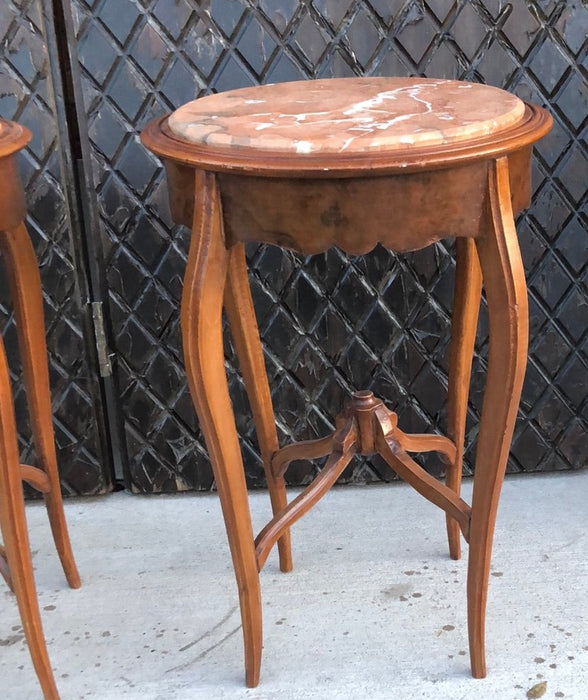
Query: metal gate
[(31, 93), (330, 323)]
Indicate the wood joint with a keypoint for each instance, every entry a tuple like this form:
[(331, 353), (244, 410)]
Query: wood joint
[(364, 427), (36, 477)]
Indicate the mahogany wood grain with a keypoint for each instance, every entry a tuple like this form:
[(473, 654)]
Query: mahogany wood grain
[(12, 201), (36, 477), (366, 427), (405, 198), (311, 217), (13, 137), (466, 304), (201, 310), (241, 315), (429, 487), (24, 282), (305, 449), (506, 294), (13, 526), (344, 449), (422, 442)]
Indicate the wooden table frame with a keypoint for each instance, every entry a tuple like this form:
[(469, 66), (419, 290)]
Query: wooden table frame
[(20, 266), (471, 191)]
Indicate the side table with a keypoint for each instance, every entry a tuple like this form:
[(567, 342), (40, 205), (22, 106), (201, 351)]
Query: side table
[(353, 162), (21, 269)]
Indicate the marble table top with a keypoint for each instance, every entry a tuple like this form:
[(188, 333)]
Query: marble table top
[(347, 115)]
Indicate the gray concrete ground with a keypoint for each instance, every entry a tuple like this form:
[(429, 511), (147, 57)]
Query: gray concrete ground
[(374, 608)]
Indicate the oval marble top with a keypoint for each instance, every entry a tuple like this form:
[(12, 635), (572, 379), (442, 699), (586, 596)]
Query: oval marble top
[(347, 115)]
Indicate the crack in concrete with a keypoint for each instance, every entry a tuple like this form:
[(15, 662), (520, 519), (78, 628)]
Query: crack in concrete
[(206, 651)]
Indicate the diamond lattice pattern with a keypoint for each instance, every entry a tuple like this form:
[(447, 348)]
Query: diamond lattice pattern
[(332, 323), (27, 96)]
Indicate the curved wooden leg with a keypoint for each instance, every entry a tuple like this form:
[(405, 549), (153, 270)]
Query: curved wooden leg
[(504, 282), (201, 319), (25, 288), (466, 304), (243, 324), (13, 526)]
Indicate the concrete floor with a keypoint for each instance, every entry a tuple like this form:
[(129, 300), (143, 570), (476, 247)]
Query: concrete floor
[(374, 609)]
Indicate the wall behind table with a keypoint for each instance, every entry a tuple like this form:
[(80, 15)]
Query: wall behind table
[(331, 323), (29, 95)]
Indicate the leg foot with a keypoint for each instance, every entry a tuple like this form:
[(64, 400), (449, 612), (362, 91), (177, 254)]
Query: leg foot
[(16, 553)]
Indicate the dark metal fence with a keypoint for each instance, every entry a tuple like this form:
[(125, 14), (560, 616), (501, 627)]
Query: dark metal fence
[(330, 323), (31, 94)]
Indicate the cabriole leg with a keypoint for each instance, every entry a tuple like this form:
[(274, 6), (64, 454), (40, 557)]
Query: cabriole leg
[(506, 293), (13, 526), (201, 319), (243, 324), (25, 289), (466, 304)]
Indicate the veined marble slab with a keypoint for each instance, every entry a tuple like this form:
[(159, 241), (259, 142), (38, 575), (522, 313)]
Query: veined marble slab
[(347, 115)]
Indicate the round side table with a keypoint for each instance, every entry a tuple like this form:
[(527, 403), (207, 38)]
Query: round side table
[(21, 269), (353, 162)]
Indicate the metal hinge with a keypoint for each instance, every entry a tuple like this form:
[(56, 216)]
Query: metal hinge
[(100, 338)]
